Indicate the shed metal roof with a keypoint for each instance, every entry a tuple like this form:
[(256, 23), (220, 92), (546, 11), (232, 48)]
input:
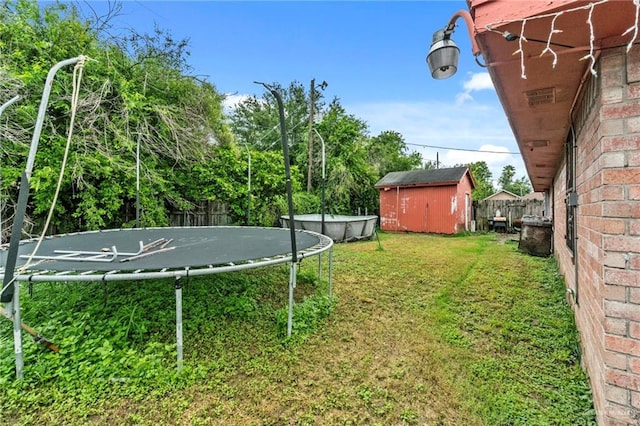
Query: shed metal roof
[(450, 176)]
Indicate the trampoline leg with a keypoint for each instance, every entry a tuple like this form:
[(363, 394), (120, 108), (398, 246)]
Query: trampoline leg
[(331, 272), (320, 267), (179, 321), (17, 330), (292, 285)]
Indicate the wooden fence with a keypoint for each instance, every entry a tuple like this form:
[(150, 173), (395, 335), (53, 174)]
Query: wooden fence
[(207, 213), (513, 210)]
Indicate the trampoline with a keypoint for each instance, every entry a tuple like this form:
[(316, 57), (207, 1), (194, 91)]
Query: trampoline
[(147, 253), (151, 253)]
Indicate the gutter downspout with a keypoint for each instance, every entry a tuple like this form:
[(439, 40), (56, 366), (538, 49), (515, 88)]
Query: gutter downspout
[(574, 293)]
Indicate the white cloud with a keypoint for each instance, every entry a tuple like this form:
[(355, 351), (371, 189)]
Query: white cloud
[(495, 161), (232, 100), (472, 126), (476, 82)]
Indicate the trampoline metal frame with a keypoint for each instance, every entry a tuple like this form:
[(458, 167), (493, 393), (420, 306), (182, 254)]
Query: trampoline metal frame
[(13, 307)]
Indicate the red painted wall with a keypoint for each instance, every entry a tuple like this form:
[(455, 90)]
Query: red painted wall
[(426, 209)]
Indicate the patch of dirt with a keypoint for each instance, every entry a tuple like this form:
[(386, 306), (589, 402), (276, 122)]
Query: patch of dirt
[(504, 237)]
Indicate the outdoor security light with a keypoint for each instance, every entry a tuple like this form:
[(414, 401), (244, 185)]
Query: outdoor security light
[(443, 54)]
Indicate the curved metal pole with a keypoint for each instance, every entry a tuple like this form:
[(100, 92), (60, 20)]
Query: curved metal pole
[(6, 295), (466, 16), (287, 172), (287, 167), (323, 179), (43, 109), (2, 108), (248, 184), (138, 182), (8, 103)]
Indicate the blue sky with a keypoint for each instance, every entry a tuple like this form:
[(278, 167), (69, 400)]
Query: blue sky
[(371, 54)]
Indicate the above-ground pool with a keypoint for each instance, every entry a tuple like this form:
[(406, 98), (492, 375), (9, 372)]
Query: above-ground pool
[(337, 227)]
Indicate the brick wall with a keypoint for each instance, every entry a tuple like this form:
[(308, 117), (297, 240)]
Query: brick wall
[(608, 246)]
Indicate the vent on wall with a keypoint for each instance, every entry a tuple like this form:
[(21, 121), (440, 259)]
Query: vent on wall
[(540, 96), (536, 143)]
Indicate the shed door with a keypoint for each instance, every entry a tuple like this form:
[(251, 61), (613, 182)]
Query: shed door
[(441, 210), (411, 210), (432, 214)]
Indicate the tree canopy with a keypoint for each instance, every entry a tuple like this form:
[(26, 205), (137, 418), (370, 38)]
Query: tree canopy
[(387, 152), (133, 93), (138, 94), (483, 179), (354, 161), (520, 186)]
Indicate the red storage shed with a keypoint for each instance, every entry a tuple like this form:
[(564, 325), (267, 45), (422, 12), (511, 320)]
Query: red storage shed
[(429, 201)]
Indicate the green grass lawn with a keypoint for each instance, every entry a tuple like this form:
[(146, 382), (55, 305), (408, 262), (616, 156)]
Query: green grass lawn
[(428, 330)]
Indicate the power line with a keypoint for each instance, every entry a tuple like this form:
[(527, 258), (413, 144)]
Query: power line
[(463, 149)]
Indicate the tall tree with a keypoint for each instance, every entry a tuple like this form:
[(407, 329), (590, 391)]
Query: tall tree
[(506, 178), (520, 186), (255, 121), (482, 177), (387, 152), (136, 93), (350, 178), (430, 165)]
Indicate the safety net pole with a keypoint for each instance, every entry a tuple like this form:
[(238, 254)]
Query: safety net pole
[(179, 341)]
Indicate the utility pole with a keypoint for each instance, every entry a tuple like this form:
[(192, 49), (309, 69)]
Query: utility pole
[(311, 106)]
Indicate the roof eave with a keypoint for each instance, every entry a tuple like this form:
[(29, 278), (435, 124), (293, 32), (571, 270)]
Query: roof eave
[(538, 95)]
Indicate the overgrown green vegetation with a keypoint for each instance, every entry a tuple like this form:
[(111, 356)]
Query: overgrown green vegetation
[(138, 90), (430, 330)]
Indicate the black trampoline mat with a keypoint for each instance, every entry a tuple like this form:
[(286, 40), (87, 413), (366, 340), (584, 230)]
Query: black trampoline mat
[(185, 247)]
